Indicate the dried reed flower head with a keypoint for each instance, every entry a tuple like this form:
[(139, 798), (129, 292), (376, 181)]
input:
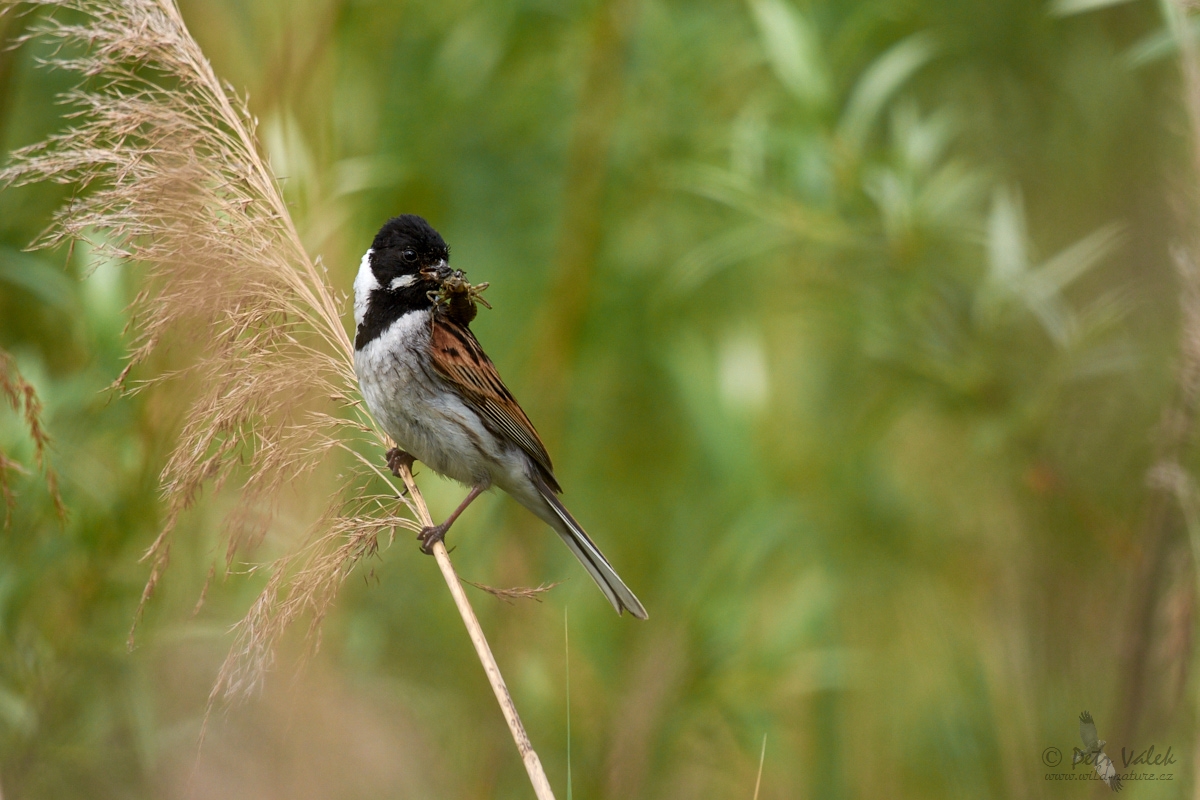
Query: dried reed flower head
[(24, 400), (169, 176)]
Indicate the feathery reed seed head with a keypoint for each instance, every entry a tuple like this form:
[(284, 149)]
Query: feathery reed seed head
[(169, 177)]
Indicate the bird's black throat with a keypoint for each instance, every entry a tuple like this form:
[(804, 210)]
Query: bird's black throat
[(385, 306)]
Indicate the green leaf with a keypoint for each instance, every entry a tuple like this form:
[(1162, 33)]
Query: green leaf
[(1158, 45), (881, 80), (792, 49), (36, 276), (1067, 8), (1069, 264)]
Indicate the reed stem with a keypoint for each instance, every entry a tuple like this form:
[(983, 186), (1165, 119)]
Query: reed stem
[(533, 765)]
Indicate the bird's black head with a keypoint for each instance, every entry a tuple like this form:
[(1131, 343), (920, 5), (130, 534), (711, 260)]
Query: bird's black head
[(407, 261), (408, 245)]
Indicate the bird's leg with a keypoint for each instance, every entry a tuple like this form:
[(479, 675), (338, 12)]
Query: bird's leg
[(397, 458), (435, 533)]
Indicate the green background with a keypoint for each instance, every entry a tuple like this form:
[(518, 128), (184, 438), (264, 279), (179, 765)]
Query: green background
[(849, 327)]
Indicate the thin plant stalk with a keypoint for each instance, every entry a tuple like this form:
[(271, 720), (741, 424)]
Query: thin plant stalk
[(567, 671), (533, 765), (762, 758)]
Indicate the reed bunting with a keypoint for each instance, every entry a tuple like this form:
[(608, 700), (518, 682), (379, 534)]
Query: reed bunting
[(434, 391)]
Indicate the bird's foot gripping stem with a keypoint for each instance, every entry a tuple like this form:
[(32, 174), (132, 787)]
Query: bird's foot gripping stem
[(397, 458), (431, 536)]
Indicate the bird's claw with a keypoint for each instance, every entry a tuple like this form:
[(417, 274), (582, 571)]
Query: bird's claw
[(397, 458), (430, 536)]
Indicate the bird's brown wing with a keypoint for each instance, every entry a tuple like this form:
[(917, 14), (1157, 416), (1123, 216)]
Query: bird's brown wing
[(458, 357)]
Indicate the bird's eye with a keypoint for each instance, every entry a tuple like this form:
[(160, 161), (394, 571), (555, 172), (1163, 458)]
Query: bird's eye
[(409, 255)]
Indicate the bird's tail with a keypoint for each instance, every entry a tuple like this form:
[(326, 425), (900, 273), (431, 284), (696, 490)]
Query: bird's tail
[(589, 555)]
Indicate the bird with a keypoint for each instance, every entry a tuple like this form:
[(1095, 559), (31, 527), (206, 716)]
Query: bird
[(1093, 753), (431, 388)]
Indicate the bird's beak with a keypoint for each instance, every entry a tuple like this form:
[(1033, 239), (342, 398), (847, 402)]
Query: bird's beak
[(438, 272)]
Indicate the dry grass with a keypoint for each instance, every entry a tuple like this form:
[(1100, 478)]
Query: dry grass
[(512, 594), (168, 175), (24, 400)]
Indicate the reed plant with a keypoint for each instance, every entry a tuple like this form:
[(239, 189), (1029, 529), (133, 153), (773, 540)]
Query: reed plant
[(167, 174)]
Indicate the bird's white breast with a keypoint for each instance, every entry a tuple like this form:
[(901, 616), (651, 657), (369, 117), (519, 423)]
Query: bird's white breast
[(416, 409)]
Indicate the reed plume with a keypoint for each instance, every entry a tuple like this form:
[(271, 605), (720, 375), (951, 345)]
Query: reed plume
[(168, 176)]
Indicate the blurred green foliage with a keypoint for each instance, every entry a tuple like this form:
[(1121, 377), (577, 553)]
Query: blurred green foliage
[(849, 325)]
